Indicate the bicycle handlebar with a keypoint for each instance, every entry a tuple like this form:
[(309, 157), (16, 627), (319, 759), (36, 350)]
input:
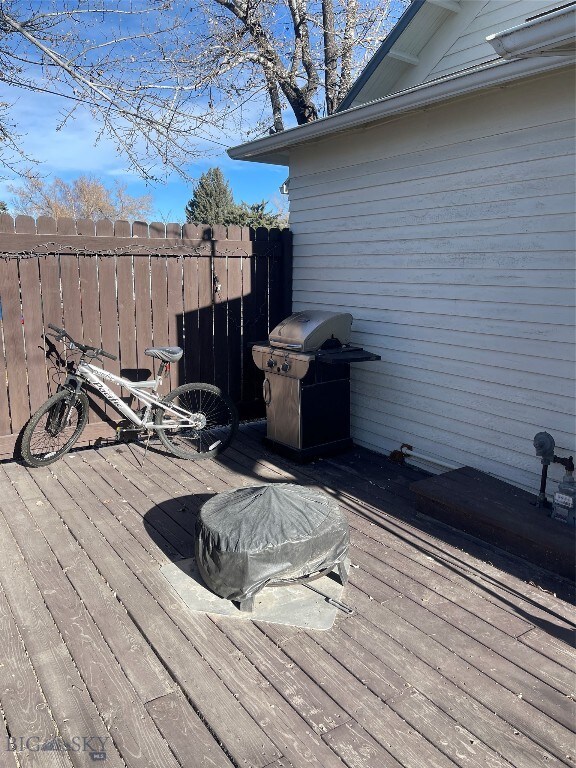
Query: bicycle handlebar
[(62, 334)]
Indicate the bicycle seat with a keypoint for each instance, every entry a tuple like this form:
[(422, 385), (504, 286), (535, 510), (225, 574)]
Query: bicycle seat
[(167, 354)]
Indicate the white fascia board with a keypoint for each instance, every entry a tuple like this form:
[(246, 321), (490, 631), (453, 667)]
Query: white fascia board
[(544, 36), (276, 148)]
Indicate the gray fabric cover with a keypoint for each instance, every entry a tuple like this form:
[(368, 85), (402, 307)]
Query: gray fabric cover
[(251, 536)]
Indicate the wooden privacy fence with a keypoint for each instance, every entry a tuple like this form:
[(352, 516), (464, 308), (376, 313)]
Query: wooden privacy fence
[(126, 287)]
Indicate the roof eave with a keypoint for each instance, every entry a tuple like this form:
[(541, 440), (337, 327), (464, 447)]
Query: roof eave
[(276, 148), (393, 37)]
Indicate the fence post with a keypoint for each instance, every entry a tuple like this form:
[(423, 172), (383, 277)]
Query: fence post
[(286, 240)]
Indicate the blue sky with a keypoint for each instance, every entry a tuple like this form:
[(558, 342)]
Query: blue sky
[(71, 151)]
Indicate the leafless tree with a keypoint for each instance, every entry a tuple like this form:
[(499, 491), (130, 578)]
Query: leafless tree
[(304, 54), (168, 79), (83, 198)]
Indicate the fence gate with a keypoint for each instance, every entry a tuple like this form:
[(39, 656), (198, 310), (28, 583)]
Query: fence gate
[(126, 287)]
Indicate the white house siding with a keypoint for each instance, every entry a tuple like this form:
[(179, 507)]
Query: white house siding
[(449, 235)]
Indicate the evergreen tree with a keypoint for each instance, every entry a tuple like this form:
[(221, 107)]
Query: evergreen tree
[(212, 201), (255, 215), (3, 207)]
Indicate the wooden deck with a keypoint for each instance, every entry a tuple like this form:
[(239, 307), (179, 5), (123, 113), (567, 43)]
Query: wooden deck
[(456, 654)]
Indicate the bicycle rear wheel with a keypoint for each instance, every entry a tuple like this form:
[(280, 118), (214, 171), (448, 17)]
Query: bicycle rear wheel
[(54, 428), (213, 421)]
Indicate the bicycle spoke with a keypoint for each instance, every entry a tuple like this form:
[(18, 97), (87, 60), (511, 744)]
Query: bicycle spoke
[(46, 438), (212, 421), (44, 444)]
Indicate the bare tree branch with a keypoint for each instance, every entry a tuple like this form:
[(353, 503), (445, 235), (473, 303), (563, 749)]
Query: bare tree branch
[(168, 79)]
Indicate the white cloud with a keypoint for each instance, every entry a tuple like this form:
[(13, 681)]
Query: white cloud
[(71, 148)]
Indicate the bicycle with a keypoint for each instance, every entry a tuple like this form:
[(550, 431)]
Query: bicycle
[(193, 421)]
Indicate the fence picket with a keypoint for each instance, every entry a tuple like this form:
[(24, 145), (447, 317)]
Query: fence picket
[(236, 357), (86, 227), (189, 323), (5, 427), (174, 231), (46, 225), (90, 306), (126, 313), (70, 278), (143, 309), (66, 226), (221, 372), (120, 228), (140, 229), (157, 229), (108, 310), (256, 327), (175, 276), (159, 282), (52, 311), (33, 332), (25, 225), (17, 376), (6, 224), (206, 318)]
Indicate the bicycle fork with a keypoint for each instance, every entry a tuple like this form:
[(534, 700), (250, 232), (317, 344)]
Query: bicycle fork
[(59, 416)]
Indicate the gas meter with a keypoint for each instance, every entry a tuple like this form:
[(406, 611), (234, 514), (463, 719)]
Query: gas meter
[(564, 504)]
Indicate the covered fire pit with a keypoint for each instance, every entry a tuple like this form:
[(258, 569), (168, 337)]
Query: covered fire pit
[(268, 535)]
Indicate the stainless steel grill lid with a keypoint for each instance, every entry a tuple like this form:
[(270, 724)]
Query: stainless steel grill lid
[(307, 331)]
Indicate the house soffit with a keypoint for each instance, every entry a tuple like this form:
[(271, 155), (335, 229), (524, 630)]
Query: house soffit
[(399, 53)]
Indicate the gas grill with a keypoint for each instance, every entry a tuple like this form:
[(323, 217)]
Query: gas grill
[(306, 388)]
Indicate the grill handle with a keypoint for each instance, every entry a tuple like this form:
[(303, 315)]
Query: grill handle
[(296, 347), (266, 391)]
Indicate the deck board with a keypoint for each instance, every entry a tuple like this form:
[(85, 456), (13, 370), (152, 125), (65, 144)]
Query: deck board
[(65, 691), (23, 702), (457, 654), (363, 706), (448, 697)]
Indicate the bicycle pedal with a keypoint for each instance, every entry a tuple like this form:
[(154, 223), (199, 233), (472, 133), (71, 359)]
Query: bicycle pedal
[(125, 434)]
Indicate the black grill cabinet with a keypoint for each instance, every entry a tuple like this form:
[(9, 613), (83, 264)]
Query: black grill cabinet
[(306, 386)]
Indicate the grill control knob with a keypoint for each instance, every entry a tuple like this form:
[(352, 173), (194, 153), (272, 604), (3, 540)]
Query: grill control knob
[(285, 367), (270, 363)]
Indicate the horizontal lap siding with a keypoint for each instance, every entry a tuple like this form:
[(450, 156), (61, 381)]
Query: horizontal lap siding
[(453, 248)]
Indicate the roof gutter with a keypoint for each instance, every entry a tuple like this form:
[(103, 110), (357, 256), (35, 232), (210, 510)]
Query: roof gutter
[(551, 34), (276, 148)]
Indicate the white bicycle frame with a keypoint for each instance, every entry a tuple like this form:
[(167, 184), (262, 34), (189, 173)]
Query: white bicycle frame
[(92, 374)]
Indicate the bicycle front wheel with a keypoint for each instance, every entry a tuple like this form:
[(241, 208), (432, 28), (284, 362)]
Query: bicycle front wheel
[(204, 425), (54, 428)]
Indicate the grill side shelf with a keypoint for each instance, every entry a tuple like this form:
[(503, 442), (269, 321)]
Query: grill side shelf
[(339, 356)]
